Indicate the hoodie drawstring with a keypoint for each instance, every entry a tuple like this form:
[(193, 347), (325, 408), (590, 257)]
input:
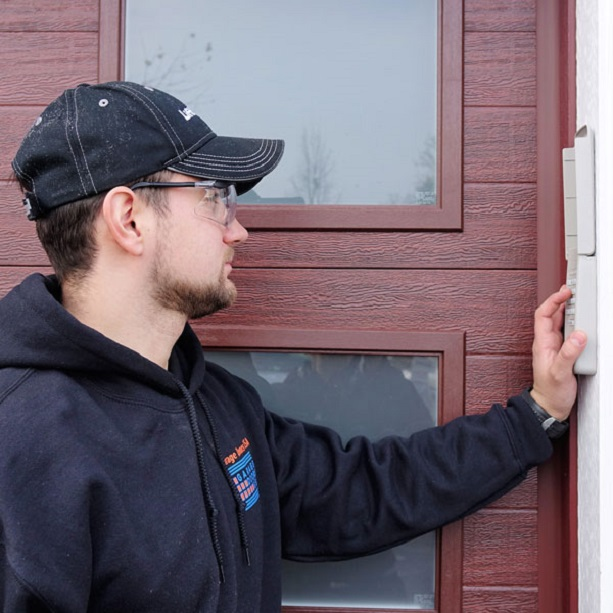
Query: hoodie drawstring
[(240, 505), (204, 481)]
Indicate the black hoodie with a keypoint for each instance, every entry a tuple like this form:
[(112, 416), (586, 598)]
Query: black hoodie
[(128, 488)]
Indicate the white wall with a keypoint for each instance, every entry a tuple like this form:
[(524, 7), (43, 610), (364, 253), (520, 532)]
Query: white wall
[(595, 417)]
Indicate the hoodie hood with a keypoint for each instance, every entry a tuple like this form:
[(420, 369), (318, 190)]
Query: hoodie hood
[(37, 332)]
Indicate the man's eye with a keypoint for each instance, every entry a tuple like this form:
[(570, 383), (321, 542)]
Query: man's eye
[(213, 203)]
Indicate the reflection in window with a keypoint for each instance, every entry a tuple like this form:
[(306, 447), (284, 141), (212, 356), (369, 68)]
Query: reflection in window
[(370, 395), (351, 87)]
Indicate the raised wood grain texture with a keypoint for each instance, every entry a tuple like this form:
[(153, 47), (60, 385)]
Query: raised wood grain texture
[(499, 145), (37, 67), (494, 379), (500, 548), (524, 496), (499, 600), (499, 231), (494, 308), (15, 122), (10, 276), (500, 69), (500, 15), (49, 15), (111, 50)]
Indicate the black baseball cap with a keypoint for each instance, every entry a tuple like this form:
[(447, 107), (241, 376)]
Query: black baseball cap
[(95, 137)]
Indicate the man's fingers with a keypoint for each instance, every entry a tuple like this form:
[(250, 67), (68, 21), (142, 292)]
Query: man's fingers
[(550, 314), (552, 304), (571, 349)]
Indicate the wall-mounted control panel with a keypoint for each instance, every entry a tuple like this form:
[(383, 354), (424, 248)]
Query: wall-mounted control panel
[(580, 244)]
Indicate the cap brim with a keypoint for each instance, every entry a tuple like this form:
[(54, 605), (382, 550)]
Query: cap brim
[(243, 161)]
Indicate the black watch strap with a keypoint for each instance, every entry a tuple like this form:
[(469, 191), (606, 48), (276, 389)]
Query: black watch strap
[(553, 427)]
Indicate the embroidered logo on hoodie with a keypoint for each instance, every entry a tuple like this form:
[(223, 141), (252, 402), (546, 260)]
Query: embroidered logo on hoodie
[(242, 471)]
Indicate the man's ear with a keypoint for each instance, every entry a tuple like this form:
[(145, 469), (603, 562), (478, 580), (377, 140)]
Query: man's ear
[(123, 216)]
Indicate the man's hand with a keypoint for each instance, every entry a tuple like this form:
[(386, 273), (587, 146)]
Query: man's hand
[(555, 385)]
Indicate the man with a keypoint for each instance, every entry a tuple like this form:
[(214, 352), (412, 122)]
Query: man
[(135, 477)]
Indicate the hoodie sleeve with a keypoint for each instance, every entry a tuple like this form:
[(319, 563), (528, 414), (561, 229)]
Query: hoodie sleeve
[(343, 501), (15, 596)]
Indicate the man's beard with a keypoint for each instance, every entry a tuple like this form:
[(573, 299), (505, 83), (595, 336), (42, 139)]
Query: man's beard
[(194, 301)]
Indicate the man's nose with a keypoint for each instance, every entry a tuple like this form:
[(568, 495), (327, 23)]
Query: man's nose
[(236, 233)]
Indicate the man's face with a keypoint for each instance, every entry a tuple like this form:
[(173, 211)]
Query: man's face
[(190, 268)]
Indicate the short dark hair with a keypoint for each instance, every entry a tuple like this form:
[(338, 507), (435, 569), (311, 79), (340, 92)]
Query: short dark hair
[(67, 232)]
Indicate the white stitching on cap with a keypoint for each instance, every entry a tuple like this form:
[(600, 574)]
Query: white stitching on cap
[(255, 160), (149, 104), (264, 146), (186, 164), (25, 174), (263, 155), (70, 146), (249, 161), (76, 127)]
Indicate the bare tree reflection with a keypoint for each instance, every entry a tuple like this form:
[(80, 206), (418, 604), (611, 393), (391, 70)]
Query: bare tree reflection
[(314, 179)]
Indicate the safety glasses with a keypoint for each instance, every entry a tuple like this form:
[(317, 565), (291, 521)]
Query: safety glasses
[(218, 202)]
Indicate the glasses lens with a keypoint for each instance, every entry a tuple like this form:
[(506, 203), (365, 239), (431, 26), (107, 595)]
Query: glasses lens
[(218, 204)]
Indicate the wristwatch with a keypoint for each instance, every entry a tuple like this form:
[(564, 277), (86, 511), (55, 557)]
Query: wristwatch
[(552, 426)]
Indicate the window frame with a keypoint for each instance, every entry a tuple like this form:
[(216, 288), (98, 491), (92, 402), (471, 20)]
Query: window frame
[(450, 347), (445, 215)]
